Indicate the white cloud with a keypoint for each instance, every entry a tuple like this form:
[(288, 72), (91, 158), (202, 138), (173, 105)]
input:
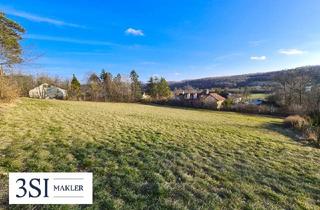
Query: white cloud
[(258, 58), (134, 32), (291, 52), (36, 18)]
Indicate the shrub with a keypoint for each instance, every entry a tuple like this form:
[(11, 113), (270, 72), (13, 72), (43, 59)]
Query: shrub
[(9, 90), (315, 126), (254, 109), (311, 134), (315, 118), (227, 104), (317, 133), (297, 122)]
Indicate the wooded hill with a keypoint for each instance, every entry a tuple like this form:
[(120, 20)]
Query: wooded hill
[(258, 79)]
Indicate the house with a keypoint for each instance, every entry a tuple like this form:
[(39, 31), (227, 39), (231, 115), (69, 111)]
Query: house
[(205, 99), (212, 100), (145, 96), (235, 98), (308, 88), (45, 91)]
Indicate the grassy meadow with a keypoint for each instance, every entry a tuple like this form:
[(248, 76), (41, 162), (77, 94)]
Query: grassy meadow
[(261, 96), (149, 157)]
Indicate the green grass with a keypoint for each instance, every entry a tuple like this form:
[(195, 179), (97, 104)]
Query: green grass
[(160, 157), (261, 96)]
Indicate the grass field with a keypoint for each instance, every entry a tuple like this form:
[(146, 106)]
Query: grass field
[(161, 158), (261, 96)]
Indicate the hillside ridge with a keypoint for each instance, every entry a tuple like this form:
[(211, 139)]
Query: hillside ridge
[(251, 79)]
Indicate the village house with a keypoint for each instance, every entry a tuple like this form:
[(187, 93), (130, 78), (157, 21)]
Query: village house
[(45, 91), (235, 98), (205, 99)]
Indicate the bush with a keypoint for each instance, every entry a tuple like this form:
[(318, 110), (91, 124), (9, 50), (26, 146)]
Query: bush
[(9, 90), (307, 125), (254, 109), (317, 134), (315, 118), (297, 122), (311, 134), (227, 104), (315, 126)]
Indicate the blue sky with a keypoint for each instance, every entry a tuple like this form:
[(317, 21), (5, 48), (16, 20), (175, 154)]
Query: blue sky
[(179, 39)]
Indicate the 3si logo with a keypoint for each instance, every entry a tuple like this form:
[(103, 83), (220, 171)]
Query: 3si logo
[(32, 189), (50, 188)]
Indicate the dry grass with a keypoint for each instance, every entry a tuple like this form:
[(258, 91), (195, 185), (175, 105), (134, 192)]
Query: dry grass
[(162, 158), (296, 122), (9, 91)]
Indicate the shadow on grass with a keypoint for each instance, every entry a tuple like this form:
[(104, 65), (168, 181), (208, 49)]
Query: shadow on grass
[(294, 135)]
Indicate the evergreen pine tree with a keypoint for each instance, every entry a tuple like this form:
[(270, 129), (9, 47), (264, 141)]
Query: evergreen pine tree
[(135, 86), (75, 87), (163, 88), (152, 87)]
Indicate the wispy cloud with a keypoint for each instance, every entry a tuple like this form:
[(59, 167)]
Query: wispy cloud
[(87, 53), (69, 40), (258, 58), (134, 32), (292, 51), (37, 18)]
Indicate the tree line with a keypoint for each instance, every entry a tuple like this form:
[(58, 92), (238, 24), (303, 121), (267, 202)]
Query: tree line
[(297, 92), (299, 95), (106, 87)]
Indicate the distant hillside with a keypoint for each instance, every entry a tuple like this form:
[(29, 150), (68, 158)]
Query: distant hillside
[(258, 79)]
